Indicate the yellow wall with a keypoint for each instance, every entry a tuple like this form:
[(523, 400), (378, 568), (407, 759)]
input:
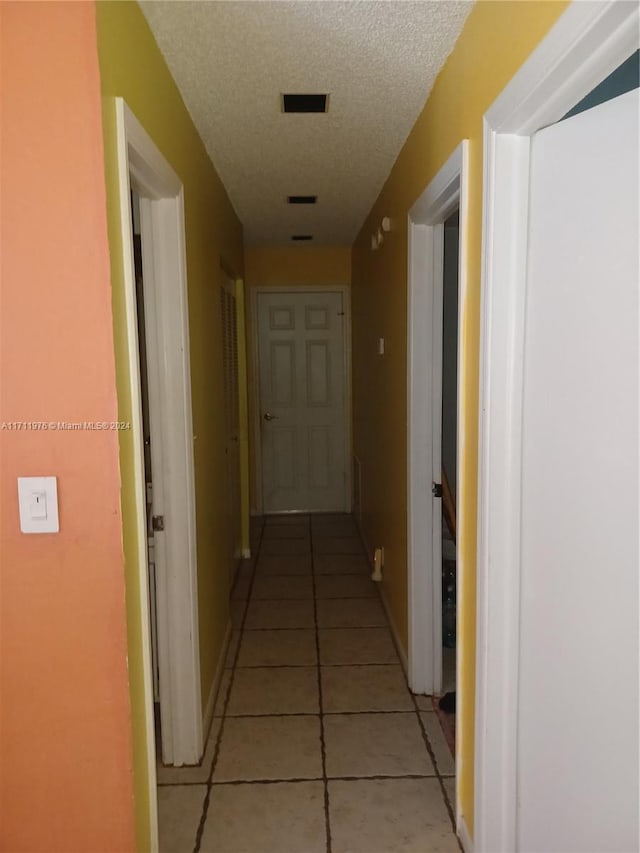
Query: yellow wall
[(132, 67), (285, 267), (497, 38)]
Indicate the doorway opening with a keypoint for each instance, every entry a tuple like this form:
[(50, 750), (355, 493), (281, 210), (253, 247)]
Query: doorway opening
[(156, 394), (436, 427), (148, 468), (449, 465)]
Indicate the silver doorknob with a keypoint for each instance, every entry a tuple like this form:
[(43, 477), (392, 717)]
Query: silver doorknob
[(269, 417)]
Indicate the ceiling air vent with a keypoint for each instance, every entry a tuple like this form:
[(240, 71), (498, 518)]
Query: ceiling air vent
[(305, 103), (300, 237), (302, 199)]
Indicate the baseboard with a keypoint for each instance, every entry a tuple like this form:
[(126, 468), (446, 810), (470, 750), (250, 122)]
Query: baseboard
[(215, 686), (463, 835), (394, 631), (363, 539)]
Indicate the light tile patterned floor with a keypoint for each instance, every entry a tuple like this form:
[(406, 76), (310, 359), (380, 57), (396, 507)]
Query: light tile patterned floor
[(317, 744)]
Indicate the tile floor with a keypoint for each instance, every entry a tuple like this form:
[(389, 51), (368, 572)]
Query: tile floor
[(317, 745)]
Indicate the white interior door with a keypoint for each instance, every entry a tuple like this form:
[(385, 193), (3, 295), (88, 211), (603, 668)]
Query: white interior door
[(302, 401), (578, 690)]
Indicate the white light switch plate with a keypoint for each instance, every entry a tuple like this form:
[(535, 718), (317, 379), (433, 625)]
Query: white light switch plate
[(38, 501)]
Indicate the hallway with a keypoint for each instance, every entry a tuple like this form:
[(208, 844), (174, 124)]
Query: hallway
[(317, 744)]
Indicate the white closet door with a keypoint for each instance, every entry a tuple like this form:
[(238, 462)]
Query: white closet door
[(302, 398), (578, 691)]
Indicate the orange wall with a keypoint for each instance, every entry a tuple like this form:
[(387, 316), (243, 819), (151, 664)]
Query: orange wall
[(65, 780)]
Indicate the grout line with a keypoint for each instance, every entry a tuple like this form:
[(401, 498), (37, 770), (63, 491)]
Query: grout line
[(310, 598), (280, 714), (292, 598), (333, 666), (211, 784), (439, 775), (296, 780), (273, 573), (308, 553), (327, 819), (216, 752), (425, 737), (384, 627), (308, 666)]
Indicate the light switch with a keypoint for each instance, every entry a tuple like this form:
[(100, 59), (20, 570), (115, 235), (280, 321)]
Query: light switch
[(38, 506), (38, 502)]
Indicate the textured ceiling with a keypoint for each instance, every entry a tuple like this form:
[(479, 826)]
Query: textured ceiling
[(231, 60)]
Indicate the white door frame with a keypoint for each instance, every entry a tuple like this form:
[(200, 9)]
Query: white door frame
[(141, 166), (345, 290), (447, 191), (587, 43)]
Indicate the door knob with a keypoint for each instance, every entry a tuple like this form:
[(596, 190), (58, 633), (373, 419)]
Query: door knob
[(269, 417)]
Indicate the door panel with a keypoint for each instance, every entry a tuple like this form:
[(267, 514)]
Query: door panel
[(302, 395), (284, 457), (578, 689), (319, 457), (283, 372), (318, 373)]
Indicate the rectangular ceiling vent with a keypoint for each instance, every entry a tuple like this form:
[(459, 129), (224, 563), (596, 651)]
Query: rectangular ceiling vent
[(305, 103), (302, 199), (300, 237)]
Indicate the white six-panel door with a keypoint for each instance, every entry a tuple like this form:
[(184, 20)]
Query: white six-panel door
[(301, 352), (578, 687)]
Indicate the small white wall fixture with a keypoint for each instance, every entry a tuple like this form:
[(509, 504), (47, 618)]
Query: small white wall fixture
[(446, 192), (587, 43), (142, 167)]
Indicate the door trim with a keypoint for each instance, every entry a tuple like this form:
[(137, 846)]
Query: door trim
[(254, 392), (447, 190), (142, 166), (243, 385), (587, 43)]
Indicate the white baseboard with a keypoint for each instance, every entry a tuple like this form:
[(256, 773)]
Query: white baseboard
[(363, 539), (385, 603), (394, 632), (463, 835), (213, 693)]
